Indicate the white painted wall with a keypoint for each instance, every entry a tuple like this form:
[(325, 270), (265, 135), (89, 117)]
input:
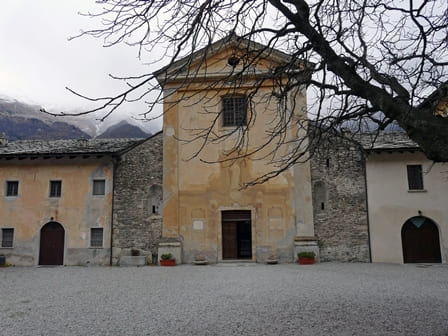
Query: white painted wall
[(391, 204)]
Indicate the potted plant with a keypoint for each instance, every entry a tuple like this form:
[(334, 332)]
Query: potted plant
[(306, 258), (167, 260)]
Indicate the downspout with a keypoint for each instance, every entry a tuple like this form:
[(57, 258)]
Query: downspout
[(114, 168), (364, 159)]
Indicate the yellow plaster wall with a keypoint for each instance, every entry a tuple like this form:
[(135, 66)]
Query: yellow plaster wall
[(196, 192), (77, 210)]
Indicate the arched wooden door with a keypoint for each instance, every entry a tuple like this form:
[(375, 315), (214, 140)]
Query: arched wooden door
[(420, 240), (52, 238)]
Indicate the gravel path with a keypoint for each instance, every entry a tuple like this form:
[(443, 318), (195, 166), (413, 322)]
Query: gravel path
[(323, 299)]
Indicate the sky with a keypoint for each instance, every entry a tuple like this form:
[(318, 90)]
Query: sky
[(37, 61)]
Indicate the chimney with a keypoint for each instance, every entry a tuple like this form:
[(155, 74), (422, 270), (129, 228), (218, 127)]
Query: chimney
[(3, 140)]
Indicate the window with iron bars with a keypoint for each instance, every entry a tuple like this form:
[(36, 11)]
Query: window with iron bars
[(234, 111)]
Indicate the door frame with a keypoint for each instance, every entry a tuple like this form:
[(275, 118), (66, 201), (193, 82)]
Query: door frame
[(252, 229), (64, 251)]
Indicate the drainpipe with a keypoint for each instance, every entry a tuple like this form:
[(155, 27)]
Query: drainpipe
[(114, 168), (364, 159)]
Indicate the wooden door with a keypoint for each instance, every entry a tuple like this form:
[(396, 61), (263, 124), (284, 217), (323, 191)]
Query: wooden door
[(229, 240), (420, 239), (52, 237), (236, 234)]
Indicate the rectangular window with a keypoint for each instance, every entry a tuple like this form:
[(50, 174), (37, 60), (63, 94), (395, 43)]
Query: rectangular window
[(7, 237), (99, 187), (415, 177), (96, 237), (12, 188), (55, 188), (234, 110)]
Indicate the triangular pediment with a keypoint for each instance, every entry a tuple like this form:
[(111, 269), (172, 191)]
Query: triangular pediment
[(228, 56)]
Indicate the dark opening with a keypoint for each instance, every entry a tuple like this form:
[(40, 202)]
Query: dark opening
[(415, 177), (236, 234), (420, 240), (322, 206), (52, 239)]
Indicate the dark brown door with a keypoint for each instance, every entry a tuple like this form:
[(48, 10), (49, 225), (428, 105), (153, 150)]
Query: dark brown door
[(229, 240), (236, 234), (52, 237), (420, 239)]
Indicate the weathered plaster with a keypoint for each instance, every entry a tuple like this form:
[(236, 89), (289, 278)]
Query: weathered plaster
[(77, 210), (196, 193)]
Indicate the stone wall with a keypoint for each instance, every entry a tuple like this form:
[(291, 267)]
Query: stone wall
[(137, 218), (339, 201)]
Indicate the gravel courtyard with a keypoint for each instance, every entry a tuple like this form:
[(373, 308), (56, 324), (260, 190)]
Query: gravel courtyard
[(323, 299)]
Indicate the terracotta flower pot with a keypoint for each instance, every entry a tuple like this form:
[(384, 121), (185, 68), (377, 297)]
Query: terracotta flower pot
[(168, 262), (306, 261)]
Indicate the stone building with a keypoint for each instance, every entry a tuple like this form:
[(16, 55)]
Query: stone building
[(56, 201)]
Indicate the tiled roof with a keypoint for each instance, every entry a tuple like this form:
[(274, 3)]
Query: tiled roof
[(78, 146)]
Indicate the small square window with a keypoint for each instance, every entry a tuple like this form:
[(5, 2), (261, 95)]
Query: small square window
[(96, 237), (99, 187), (415, 177), (12, 188), (55, 188), (234, 110), (7, 237)]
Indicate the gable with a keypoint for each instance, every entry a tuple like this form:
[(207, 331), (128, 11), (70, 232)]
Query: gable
[(215, 61)]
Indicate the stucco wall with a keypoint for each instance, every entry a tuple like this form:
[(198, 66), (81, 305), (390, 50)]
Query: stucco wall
[(138, 187), (391, 204), (197, 188), (339, 201), (77, 210)]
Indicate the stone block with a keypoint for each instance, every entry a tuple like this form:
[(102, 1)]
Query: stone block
[(132, 260)]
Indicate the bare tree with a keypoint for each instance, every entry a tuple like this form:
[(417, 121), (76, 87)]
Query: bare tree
[(374, 62)]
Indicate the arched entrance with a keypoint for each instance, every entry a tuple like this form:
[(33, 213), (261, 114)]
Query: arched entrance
[(420, 240), (52, 238)]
